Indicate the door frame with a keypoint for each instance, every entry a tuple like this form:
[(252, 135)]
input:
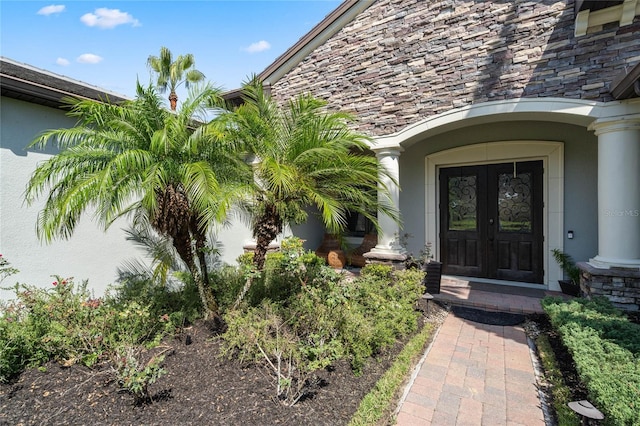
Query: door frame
[(552, 155)]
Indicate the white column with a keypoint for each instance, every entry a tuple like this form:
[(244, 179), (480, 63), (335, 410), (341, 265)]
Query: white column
[(388, 237), (618, 192)]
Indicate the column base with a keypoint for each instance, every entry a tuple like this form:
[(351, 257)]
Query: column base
[(620, 286), (608, 263), (250, 247), (387, 256)]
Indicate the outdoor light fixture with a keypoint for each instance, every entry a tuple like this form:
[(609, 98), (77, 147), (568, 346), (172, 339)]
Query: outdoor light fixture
[(570, 235), (586, 410)]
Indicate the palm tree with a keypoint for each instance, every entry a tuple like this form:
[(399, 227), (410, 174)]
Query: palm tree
[(139, 158), (307, 157), (170, 73)]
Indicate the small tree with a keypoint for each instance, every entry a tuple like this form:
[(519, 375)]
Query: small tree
[(170, 73), (140, 158), (307, 157)]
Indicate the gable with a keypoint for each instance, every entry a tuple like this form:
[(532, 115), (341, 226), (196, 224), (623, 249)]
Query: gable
[(397, 62)]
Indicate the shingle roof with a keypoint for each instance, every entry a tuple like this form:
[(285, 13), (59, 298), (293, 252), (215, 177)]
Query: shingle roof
[(30, 84)]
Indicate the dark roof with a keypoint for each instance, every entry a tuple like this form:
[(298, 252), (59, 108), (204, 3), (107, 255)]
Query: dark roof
[(30, 84), (324, 25)]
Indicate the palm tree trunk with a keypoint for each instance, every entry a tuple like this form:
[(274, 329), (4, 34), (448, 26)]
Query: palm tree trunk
[(209, 303), (267, 228), (182, 243), (201, 243), (173, 100), (174, 220)]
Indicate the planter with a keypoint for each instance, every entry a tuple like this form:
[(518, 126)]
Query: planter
[(330, 251), (433, 277), (569, 287)]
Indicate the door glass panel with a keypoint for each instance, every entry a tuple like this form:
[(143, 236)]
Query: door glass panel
[(463, 203), (515, 202)]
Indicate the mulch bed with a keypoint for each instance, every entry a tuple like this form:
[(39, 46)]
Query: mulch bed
[(200, 388)]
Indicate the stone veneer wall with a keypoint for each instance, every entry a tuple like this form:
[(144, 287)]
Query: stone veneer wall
[(620, 286), (400, 61)]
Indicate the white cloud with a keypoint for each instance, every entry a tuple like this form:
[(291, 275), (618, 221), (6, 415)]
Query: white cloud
[(89, 58), (50, 10), (62, 62), (258, 47), (108, 18)]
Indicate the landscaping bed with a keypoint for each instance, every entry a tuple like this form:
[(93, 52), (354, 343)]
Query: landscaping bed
[(200, 387)]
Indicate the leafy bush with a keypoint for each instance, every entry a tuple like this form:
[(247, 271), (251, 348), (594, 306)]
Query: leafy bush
[(227, 282), (285, 272), (377, 270), (322, 320), (136, 376), (606, 350), (66, 323), (178, 299)]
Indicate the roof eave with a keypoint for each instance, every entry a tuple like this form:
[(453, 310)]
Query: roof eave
[(45, 88), (627, 85)]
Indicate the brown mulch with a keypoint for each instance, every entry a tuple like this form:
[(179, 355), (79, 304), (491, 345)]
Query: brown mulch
[(200, 388)]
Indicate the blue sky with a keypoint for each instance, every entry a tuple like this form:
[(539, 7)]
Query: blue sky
[(107, 43)]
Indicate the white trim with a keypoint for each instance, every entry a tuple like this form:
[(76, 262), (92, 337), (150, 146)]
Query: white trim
[(558, 110), (552, 155), (588, 21)]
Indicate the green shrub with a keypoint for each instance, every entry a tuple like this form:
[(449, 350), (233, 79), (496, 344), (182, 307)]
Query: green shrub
[(66, 323), (285, 272), (326, 319), (178, 299), (134, 375), (379, 311), (377, 270), (606, 350), (227, 283)]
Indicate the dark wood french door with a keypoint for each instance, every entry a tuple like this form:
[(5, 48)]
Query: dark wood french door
[(491, 221)]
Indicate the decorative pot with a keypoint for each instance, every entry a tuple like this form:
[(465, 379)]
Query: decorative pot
[(568, 287)]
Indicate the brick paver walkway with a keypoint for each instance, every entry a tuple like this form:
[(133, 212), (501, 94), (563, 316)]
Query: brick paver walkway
[(474, 374)]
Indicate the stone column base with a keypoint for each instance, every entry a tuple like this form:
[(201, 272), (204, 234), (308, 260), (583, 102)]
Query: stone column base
[(621, 286), (395, 260)]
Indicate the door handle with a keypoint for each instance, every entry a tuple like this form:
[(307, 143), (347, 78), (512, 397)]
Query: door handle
[(491, 231)]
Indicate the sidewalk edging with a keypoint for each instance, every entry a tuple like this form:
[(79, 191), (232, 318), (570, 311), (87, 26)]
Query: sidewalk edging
[(416, 370), (538, 371)]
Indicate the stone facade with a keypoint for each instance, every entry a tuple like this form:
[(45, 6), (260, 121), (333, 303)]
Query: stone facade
[(400, 61), (621, 287)]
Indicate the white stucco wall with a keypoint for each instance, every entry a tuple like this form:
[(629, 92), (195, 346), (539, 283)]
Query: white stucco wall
[(91, 254)]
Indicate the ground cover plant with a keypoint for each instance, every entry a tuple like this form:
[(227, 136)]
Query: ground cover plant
[(554, 364), (605, 347)]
